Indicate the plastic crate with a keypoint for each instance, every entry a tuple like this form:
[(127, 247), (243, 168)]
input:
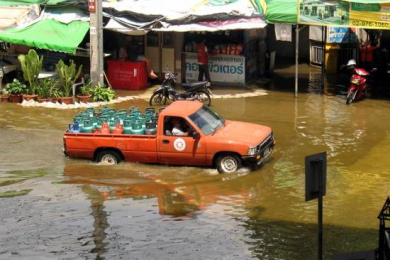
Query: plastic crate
[(127, 74)]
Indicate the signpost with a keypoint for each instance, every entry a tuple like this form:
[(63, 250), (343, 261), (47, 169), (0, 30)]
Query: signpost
[(315, 187), (96, 42)]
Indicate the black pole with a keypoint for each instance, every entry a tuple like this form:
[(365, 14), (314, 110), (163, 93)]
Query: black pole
[(324, 35), (320, 225)]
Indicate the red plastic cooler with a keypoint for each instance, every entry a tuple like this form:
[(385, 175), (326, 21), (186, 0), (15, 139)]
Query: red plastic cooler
[(127, 74)]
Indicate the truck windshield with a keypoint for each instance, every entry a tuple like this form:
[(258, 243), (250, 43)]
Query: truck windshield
[(207, 120)]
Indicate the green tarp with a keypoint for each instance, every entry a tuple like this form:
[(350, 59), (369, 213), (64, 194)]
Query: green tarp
[(48, 34)]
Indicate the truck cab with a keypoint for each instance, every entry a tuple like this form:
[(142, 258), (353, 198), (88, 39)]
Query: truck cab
[(188, 133)]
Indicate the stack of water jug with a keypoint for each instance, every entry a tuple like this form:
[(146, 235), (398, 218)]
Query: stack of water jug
[(110, 121)]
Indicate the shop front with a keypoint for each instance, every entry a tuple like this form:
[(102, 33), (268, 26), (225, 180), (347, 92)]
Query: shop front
[(232, 30), (127, 67), (234, 56)]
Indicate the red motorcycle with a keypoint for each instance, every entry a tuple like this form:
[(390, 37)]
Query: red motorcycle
[(358, 86)]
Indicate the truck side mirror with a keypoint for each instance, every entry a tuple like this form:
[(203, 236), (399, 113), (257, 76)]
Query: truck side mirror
[(195, 135)]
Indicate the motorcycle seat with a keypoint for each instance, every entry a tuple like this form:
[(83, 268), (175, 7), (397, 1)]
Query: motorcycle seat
[(194, 85)]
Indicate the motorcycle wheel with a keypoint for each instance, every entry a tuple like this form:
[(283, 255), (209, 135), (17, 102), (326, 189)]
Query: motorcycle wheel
[(350, 96), (204, 97), (156, 99), (169, 99)]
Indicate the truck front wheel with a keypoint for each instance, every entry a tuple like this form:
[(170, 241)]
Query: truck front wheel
[(228, 163), (108, 157)]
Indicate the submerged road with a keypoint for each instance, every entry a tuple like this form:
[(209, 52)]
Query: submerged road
[(52, 207)]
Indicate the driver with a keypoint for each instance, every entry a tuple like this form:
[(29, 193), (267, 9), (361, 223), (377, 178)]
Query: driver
[(177, 128)]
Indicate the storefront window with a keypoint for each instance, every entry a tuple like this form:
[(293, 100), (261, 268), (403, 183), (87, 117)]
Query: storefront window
[(223, 42), (152, 39)]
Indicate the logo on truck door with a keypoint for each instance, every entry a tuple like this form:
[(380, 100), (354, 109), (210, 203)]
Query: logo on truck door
[(179, 144)]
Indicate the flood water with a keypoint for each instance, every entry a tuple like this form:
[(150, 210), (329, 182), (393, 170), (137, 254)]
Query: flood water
[(76, 209)]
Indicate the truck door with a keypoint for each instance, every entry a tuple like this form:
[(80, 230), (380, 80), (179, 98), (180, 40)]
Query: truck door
[(178, 145)]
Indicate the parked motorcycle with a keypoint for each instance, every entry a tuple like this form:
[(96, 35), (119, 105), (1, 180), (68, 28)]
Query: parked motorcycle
[(358, 83), (193, 91)]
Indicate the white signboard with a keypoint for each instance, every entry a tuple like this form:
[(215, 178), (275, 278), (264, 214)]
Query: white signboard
[(226, 69)]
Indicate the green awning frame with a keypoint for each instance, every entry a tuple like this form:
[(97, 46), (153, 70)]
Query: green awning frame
[(30, 2), (369, 1), (48, 34)]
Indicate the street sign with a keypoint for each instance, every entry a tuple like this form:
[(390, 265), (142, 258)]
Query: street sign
[(315, 187), (91, 6), (315, 176)]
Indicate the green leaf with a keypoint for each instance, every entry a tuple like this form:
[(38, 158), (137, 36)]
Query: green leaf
[(67, 75), (31, 65)]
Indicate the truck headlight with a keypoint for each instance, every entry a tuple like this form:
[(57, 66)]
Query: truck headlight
[(252, 151)]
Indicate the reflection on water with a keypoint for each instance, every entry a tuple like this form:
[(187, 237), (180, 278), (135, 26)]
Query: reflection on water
[(78, 209), (100, 221), (273, 239), (312, 81)]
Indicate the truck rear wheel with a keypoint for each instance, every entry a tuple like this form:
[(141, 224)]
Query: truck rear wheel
[(108, 157), (228, 163)]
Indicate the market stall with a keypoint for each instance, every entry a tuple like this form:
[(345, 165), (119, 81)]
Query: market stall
[(172, 27)]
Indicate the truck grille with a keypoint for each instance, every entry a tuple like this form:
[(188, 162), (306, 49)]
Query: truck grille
[(268, 141)]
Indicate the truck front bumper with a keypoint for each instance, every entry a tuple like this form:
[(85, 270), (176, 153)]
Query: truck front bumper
[(261, 157)]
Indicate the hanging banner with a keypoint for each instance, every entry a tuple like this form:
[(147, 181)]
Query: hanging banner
[(283, 32), (340, 35), (370, 14), (344, 13)]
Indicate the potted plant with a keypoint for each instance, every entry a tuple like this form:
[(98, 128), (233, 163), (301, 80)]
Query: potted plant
[(31, 65), (85, 93), (67, 75), (55, 94), (15, 90), (101, 93), (4, 96), (45, 89)]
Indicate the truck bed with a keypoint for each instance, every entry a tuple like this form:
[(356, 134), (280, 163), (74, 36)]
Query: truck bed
[(142, 148)]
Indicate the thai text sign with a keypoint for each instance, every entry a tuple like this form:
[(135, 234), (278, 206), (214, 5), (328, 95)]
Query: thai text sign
[(226, 69), (341, 35), (370, 15), (91, 6)]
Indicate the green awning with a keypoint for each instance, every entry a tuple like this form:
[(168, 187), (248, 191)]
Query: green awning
[(281, 11), (48, 34)]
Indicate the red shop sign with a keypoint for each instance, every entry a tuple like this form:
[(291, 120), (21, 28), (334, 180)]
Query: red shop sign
[(91, 6)]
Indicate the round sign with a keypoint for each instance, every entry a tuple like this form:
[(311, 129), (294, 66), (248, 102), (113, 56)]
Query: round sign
[(179, 144)]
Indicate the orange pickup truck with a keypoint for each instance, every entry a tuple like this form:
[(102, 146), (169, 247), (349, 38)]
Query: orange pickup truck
[(188, 133)]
